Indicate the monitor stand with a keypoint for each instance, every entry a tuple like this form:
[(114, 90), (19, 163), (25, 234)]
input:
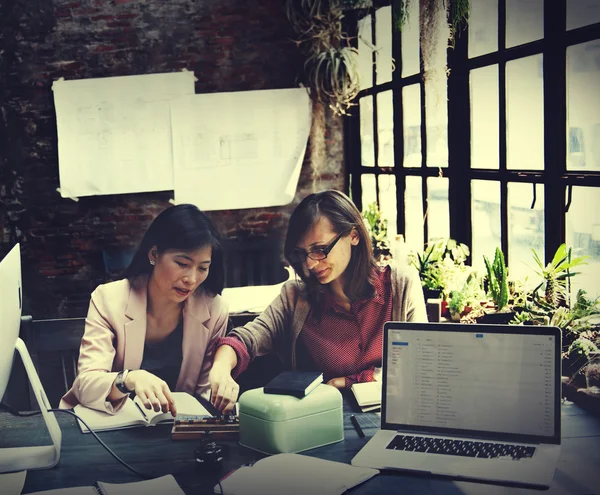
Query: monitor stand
[(42, 457)]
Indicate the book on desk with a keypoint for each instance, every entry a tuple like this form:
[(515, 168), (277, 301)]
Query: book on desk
[(133, 413), (367, 395), (296, 383)]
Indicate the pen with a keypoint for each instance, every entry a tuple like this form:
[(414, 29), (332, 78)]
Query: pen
[(141, 410), (357, 427)]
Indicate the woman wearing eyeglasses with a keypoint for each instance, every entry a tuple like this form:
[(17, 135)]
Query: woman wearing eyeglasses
[(331, 319)]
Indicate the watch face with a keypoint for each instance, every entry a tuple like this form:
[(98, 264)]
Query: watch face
[(120, 383)]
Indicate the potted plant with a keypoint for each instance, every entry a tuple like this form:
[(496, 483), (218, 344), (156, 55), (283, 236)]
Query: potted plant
[(497, 289), (461, 302), (378, 230), (441, 267)]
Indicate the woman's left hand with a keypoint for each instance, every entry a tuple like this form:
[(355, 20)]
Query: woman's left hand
[(337, 382)]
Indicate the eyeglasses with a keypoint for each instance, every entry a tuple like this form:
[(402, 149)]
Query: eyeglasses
[(317, 254)]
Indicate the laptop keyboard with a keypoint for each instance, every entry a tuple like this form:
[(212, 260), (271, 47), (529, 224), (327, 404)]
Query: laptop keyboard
[(464, 448)]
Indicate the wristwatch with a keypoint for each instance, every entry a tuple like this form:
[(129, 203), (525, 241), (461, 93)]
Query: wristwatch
[(120, 382)]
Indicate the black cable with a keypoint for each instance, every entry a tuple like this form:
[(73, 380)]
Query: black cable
[(68, 411)]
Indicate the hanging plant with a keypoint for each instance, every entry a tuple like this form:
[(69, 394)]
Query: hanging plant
[(333, 78), (459, 11), (330, 70)]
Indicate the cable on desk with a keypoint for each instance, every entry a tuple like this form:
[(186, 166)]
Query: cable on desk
[(68, 411)]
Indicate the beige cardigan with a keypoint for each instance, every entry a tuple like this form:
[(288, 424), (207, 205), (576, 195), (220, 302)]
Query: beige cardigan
[(277, 328), (115, 332)]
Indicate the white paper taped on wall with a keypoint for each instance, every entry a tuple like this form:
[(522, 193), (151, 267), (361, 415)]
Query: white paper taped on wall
[(239, 150), (114, 133)]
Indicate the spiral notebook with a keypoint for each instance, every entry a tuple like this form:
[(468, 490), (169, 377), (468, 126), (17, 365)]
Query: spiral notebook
[(163, 484)]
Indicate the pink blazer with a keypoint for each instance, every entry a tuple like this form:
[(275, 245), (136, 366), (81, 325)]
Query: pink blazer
[(115, 332)]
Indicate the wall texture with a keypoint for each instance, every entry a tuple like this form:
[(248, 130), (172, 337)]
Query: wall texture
[(230, 45)]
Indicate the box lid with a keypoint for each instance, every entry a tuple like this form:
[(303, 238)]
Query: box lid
[(272, 407)]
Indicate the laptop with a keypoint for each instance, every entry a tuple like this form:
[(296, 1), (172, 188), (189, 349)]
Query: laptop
[(473, 402)]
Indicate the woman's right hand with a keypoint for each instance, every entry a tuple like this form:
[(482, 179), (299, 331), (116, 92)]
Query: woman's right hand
[(224, 389), (152, 391)]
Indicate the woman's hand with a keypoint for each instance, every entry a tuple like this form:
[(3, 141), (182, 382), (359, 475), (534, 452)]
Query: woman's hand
[(337, 382), (152, 391), (224, 389)]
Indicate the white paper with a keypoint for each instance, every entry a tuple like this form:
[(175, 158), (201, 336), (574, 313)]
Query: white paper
[(12, 483), (294, 474), (239, 150), (254, 298), (114, 133)]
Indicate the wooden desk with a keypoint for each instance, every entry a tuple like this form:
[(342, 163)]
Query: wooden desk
[(151, 450)]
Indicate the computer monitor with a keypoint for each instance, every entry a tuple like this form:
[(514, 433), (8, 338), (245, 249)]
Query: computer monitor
[(21, 458)]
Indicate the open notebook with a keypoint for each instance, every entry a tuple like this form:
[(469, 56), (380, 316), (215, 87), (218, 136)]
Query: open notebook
[(294, 474), (133, 413), (164, 484)]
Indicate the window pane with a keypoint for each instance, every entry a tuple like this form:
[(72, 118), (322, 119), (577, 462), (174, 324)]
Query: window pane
[(582, 13), (365, 53), (525, 228), (413, 214), (583, 106), (525, 114), (484, 117), (387, 202), (483, 27), (367, 149), (485, 218), (369, 193), (383, 38), (438, 211), (385, 129), (437, 133), (524, 21), (410, 41), (411, 107), (583, 235)]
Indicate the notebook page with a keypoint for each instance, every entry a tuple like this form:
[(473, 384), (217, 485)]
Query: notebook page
[(128, 416), (294, 474), (165, 484)]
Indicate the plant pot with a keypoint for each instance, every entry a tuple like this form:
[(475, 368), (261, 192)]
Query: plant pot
[(496, 318), (455, 316), (432, 294)]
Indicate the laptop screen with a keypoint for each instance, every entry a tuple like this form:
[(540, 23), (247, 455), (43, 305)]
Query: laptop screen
[(473, 379)]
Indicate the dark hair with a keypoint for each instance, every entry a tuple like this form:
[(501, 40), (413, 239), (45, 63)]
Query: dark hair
[(344, 216), (182, 227)]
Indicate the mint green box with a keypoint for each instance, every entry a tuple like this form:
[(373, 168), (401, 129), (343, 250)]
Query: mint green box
[(274, 424)]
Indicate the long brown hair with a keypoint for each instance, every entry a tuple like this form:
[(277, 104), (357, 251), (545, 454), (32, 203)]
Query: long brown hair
[(344, 216)]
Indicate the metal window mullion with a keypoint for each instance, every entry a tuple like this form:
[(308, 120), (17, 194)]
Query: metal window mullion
[(555, 125), (352, 147), (459, 141), (423, 147), (398, 84), (502, 128), (374, 103)]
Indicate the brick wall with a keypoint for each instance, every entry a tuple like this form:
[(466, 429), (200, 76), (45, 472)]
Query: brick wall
[(231, 45)]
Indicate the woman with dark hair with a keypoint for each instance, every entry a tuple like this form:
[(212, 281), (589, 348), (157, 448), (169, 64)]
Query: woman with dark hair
[(154, 331), (331, 320)]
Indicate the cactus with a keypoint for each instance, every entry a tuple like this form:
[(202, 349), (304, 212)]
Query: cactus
[(497, 279)]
